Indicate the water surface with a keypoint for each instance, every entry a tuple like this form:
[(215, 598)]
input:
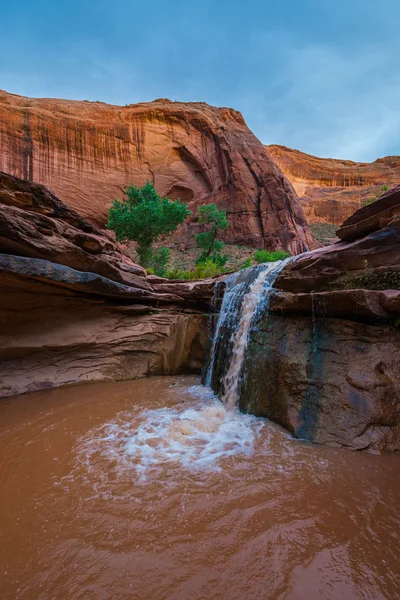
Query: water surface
[(150, 490)]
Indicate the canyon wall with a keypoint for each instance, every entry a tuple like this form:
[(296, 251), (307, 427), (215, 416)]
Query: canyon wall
[(88, 152), (330, 190), (74, 309)]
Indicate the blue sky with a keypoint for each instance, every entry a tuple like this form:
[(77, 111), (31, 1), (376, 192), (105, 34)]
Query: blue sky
[(322, 76)]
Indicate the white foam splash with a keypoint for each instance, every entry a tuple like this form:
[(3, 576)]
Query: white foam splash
[(195, 437)]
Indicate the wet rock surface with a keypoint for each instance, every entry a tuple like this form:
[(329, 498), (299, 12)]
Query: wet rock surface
[(327, 380)]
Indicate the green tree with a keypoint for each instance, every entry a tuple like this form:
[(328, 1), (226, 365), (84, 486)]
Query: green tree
[(207, 241), (159, 261), (144, 217)]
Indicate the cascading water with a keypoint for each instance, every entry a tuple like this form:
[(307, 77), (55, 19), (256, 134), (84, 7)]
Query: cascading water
[(198, 431), (247, 295)]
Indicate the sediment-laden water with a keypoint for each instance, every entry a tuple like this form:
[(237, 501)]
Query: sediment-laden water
[(152, 490)]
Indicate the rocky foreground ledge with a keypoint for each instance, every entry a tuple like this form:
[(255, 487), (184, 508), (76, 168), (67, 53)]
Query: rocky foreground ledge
[(325, 362), (74, 308)]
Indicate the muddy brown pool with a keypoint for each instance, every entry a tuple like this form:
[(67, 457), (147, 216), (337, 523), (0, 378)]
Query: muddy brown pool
[(150, 490)]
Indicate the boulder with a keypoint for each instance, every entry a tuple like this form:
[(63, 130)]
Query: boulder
[(323, 361), (371, 245), (376, 216)]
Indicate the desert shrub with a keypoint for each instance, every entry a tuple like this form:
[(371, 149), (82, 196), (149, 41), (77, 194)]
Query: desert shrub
[(203, 270), (370, 200), (247, 263), (176, 273), (145, 217), (262, 256), (324, 232), (384, 189)]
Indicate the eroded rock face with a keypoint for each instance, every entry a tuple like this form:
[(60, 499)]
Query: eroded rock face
[(330, 190), (52, 336), (40, 238), (330, 381), (88, 152), (74, 308)]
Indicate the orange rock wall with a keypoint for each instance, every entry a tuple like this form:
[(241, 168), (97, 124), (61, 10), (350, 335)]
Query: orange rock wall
[(331, 190), (87, 152)]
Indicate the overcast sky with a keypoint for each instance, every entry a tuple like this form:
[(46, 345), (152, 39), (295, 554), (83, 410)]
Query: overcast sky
[(321, 76)]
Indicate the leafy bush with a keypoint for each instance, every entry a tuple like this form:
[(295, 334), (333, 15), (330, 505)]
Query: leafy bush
[(208, 268), (210, 215), (203, 270), (262, 256), (247, 263), (144, 217)]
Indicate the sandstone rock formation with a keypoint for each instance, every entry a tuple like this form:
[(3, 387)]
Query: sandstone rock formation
[(330, 381), (330, 190), (88, 152), (52, 336), (74, 309), (325, 360), (370, 246)]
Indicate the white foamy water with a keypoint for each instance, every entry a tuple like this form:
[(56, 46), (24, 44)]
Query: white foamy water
[(194, 437)]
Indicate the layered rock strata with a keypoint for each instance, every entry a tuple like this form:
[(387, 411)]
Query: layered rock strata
[(88, 152), (74, 308), (330, 190)]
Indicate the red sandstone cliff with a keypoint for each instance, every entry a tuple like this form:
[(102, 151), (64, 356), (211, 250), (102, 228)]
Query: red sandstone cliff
[(330, 190), (87, 152)]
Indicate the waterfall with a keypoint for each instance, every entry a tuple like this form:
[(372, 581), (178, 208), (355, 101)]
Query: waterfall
[(246, 297)]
